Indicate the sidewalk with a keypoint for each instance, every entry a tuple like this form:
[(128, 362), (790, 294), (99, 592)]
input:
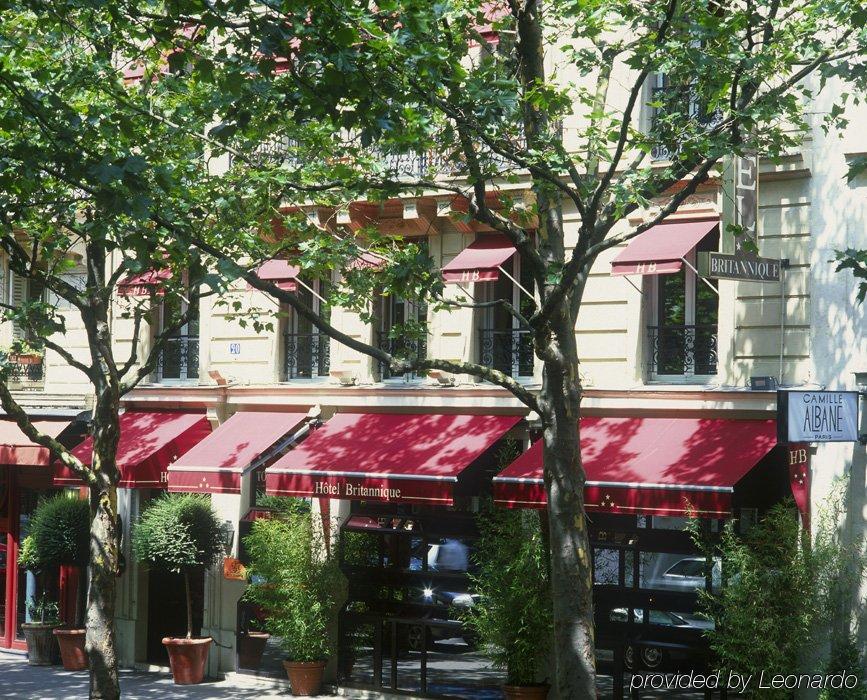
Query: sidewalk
[(23, 682)]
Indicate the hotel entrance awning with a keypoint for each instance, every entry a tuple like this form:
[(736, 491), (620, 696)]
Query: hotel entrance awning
[(660, 249), (217, 463), (650, 466), (148, 444), (387, 457), (480, 261), (16, 449)]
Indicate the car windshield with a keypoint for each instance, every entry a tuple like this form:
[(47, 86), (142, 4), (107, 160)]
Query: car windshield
[(687, 567)]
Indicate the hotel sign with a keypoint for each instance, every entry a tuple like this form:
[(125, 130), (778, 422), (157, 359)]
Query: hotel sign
[(817, 416), (743, 266)]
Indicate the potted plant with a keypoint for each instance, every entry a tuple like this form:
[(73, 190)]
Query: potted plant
[(251, 643), (23, 353), (297, 585), (180, 532), (512, 619), (59, 535), (38, 635)]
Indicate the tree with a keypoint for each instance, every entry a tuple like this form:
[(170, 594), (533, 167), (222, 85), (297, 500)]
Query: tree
[(224, 79)]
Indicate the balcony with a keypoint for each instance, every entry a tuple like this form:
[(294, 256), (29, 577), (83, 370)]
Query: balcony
[(404, 348), (178, 360), (26, 372), (510, 351), (673, 97), (306, 355), (682, 350)]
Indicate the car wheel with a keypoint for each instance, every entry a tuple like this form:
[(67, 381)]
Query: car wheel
[(415, 638), (629, 658), (652, 657)]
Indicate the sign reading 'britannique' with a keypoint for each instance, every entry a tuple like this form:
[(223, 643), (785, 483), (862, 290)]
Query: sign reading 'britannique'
[(817, 416), (743, 266)]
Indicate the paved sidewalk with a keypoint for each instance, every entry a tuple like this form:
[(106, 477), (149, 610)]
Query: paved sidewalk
[(23, 682)]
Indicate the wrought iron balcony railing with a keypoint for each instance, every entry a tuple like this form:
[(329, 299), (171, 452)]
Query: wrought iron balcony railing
[(403, 348), (179, 358), (676, 97), (27, 369), (306, 355), (682, 350), (510, 351)]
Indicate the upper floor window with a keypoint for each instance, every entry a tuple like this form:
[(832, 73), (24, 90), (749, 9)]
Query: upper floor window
[(684, 313), (178, 359), (306, 351), (393, 315), (669, 104), (504, 344)]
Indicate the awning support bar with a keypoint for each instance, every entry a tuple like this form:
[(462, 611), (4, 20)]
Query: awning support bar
[(517, 284), (634, 286), (698, 274), (310, 289)]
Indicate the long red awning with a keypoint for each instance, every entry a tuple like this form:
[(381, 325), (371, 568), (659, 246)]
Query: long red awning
[(660, 249), (480, 260), (16, 448), (404, 458), (217, 463), (148, 444), (282, 273), (650, 466), (143, 283)]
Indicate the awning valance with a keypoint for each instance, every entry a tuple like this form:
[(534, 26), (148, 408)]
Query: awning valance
[(16, 448), (480, 261), (143, 283), (148, 444), (650, 466), (403, 458), (660, 250), (218, 462), (282, 273)]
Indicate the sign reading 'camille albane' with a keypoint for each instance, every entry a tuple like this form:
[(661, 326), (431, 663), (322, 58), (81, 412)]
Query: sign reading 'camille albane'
[(817, 416)]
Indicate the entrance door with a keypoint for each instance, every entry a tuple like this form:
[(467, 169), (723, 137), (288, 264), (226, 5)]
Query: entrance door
[(167, 612)]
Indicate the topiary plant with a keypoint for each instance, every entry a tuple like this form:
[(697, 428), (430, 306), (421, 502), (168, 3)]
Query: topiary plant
[(181, 533), (59, 533)]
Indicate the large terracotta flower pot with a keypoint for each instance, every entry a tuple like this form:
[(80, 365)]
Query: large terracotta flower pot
[(187, 658), (305, 677), (251, 646), (526, 692), (40, 642), (72, 652)]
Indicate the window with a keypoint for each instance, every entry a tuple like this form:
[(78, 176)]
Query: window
[(667, 99), (306, 351), (503, 343), (395, 312), (178, 359), (682, 336)]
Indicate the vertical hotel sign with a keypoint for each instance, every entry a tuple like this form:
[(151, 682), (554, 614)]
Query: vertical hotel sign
[(747, 200)]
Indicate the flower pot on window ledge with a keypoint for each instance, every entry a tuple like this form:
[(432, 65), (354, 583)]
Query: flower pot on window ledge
[(26, 359)]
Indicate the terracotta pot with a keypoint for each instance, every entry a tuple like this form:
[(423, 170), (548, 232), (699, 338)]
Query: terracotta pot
[(40, 642), (187, 658), (526, 692), (251, 646), (26, 359), (305, 677), (72, 652)]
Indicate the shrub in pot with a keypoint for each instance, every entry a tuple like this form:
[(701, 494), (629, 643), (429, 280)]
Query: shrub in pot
[(59, 535), (38, 633), (512, 619), (251, 644), (181, 533), (297, 585)]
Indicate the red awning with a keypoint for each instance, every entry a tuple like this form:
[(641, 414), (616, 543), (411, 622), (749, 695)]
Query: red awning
[(218, 462), (281, 273), (660, 249), (16, 448), (143, 283), (480, 260), (404, 458), (650, 466), (148, 444)]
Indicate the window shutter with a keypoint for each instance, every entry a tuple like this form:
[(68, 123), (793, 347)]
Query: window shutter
[(17, 298)]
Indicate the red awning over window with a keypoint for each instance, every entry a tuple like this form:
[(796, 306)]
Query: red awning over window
[(402, 458), (480, 261), (650, 466), (660, 249), (218, 462), (143, 283), (283, 274), (148, 444), (16, 448)]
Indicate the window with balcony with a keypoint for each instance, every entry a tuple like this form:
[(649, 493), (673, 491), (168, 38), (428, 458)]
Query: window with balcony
[(504, 344), (306, 351), (178, 359), (669, 104), (684, 309), (394, 315), (26, 370)]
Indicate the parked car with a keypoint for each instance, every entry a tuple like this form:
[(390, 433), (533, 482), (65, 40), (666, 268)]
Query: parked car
[(687, 575), (655, 657)]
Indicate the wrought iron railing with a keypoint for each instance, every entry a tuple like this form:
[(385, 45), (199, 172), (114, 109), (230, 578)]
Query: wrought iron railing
[(682, 350), (306, 355), (509, 350), (673, 98), (179, 358), (32, 370), (405, 348)]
